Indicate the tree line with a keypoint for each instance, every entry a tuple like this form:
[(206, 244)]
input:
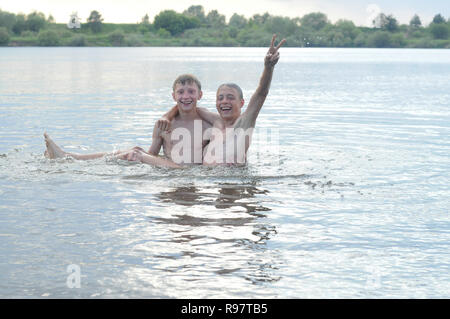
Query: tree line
[(195, 27)]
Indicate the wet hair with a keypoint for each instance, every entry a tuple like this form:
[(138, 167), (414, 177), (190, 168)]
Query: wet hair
[(187, 79), (233, 86)]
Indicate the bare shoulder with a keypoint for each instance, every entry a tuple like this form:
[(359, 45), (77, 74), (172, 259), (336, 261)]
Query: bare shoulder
[(206, 125), (177, 122)]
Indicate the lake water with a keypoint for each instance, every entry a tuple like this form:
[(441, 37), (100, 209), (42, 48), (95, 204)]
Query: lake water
[(346, 197)]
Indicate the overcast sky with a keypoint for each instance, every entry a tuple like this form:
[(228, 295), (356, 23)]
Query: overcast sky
[(131, 11)]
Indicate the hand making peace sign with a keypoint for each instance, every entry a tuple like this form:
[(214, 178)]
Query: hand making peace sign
[(273, 55)]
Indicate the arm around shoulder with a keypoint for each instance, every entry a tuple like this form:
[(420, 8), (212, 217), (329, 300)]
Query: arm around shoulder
[(207, 116)]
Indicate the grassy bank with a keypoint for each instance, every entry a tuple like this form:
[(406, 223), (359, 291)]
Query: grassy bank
[(194, 28)]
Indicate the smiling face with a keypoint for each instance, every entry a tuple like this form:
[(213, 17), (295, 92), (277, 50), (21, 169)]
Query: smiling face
[(229, 103), (186, 96)]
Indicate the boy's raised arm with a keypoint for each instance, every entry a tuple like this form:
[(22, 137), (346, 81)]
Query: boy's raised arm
[(258, 98)]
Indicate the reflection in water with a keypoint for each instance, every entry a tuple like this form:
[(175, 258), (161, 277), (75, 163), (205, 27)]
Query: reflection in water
[(186, 195), (360, 181), (229, 195), (225, 220), (237, 195)]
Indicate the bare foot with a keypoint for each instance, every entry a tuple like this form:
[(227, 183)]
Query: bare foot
[(53, 150)]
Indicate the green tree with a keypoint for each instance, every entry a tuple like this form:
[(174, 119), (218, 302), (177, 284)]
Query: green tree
[(163, 33), (398, 40), (174, 22), (258, 19), (361, 40), (438, 18), (215, 19), (380, 39), (133, 40), (7, 20), (237, 21), (78, 41), (347, 28), (392, 24), (117, 38), (254, 37), (280, 25), (170, 21), (196, 12), (4, 36), (95, 21), (415, 22), (233, 32), (313, 29), (314, 21), (20, 24), (35, 21), (335, 38), (48, 38), (387, 23), (439, 31)]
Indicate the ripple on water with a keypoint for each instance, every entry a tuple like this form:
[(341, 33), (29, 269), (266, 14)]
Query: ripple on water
[(347, 198)]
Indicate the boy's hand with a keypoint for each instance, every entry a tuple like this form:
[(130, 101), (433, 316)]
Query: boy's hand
[(162, 128), (163, 125), (273, 55), (133, 155)]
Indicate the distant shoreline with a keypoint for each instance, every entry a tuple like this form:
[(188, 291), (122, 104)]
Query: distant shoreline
[(193, 28), (185, 46)]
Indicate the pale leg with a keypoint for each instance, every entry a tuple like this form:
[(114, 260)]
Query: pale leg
[(54, 151), (135, 154)]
